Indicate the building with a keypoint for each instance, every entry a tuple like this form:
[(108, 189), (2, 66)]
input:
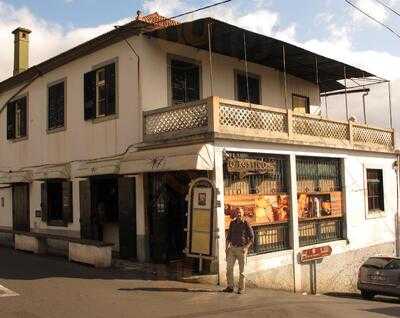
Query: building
[(101, 142)]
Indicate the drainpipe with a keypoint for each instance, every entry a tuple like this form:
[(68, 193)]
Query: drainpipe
[(365, 112), (397, 217), (139, 88)]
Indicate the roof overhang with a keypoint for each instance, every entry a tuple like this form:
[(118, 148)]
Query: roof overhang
[(227, 39)]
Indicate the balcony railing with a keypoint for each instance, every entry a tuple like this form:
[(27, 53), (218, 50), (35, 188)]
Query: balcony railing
[(227, 118), (320, 230)]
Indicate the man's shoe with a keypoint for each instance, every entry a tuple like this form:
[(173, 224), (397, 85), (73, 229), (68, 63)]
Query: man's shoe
[(240, 292), (228, 290)]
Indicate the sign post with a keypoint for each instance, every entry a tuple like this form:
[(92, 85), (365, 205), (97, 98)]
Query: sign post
[(311, 256), (200, 220)]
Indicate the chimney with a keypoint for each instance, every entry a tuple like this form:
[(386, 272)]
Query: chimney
[(21, 50), (139, 15)]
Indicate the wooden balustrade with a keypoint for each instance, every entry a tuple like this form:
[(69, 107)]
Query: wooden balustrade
[(228, 118)]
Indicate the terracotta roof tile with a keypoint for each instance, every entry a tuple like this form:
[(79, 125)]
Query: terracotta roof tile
[(157, 20)]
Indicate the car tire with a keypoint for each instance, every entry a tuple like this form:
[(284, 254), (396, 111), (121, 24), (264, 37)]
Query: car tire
[(368, 295)]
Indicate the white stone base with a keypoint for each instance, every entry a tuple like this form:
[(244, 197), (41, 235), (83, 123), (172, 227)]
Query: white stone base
[(98, 256), (30, 244)]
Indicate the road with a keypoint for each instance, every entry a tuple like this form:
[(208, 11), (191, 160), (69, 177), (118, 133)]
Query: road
[(34, 286)]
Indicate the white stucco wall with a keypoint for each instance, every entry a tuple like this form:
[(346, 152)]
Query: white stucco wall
[(83, 140), (155, 59)]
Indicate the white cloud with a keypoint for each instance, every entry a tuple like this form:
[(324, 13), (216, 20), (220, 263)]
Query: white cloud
[(165, 8), (47, 39), (370, 7)]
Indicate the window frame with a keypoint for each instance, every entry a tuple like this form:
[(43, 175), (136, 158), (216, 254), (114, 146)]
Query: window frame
[(172, 57), (94, 68), (372, 214), (308, 108), (258, 77), (19, 138), (64, 127), (100, 84), (67, 216)]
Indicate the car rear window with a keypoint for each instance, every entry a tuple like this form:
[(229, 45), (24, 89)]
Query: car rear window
[(377, 262)]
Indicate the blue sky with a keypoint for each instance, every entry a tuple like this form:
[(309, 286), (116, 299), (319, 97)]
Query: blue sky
[(89, 13), (328, 27)]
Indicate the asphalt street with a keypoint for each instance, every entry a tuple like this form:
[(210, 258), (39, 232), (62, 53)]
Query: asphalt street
[(34, 286)]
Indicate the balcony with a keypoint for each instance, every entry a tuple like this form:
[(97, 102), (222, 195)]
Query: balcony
[(222, 118)]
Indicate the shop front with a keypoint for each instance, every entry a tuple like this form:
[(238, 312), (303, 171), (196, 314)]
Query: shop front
[(260, 184), (167, 210)]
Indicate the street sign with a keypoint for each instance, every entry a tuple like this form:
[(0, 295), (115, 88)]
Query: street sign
[(315, 253)]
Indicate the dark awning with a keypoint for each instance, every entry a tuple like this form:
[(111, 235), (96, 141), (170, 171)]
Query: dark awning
[(228, 40)]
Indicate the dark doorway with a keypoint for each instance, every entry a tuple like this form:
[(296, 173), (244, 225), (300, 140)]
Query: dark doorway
[(167, 208), (127, 217), (108, 212), (20, 196)]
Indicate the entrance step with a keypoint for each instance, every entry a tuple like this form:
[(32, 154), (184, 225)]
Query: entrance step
[(211, 279), (175, 270)]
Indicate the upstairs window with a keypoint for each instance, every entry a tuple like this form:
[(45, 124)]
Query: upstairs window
[(56, 104), (99, 91), (185, 82), (17, 119), (375, 190), (300, 104), (56, 202), (254, 95)]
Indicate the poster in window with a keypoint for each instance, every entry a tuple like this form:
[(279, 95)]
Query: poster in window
[(202, 198), (258, 209)]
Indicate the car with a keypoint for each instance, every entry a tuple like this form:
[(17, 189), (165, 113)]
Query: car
[(379, 276)]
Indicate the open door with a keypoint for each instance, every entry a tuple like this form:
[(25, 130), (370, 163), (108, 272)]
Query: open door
[(127, 217), (20, 197)]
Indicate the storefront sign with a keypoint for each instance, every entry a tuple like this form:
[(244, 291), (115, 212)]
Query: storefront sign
[(315, 253), (250, 166)]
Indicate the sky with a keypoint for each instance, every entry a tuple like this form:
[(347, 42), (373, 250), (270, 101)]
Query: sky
[(328, 27)]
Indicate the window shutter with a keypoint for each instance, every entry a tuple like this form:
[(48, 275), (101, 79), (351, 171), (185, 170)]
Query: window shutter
[(67, 202), (110, 89), (23, 123), (60, 104), (90, 95), (11, 120), (56, 106), (43, 203)]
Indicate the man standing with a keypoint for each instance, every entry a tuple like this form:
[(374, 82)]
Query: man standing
[(239, 238)]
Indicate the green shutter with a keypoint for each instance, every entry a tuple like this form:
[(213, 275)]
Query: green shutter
[(24, 122), (43, 203), (90, 95), (11, 120), (68, 215), (110, 89)]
